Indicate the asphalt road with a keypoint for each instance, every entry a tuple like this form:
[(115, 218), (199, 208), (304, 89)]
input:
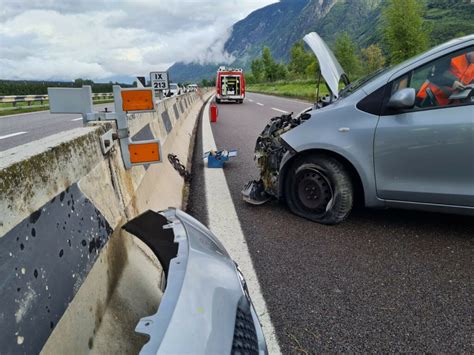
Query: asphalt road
[(383, 281), (19, 129)]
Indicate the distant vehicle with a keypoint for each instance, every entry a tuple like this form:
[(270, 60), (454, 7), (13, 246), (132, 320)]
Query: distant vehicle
[(173, 90), (192, 87), (402, 137), (230, 85)]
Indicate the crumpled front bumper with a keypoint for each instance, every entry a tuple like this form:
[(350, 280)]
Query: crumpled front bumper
[(206, 307)]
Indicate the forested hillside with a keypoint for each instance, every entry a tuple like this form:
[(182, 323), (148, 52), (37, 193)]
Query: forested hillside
[(280, 25)]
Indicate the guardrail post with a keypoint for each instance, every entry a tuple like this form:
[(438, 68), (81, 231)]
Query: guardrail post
[(122, 125)]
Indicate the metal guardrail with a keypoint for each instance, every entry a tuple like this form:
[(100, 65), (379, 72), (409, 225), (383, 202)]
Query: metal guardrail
[(33, 98)]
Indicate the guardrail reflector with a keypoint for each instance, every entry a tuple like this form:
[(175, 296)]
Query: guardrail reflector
[(137, 100), (144, 152), (79, 100)]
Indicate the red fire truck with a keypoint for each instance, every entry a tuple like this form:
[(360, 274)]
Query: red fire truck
[(230, 85)]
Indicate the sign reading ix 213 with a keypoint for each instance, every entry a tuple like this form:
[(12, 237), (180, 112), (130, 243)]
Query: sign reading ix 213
[(159, 80)]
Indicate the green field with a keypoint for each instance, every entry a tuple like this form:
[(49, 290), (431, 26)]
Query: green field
[(22, 107), (301, 89), (8, 105)]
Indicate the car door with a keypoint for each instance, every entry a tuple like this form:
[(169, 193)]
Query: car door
[(425, 154)]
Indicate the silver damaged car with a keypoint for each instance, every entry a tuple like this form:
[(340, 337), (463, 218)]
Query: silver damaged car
[(401, 137)]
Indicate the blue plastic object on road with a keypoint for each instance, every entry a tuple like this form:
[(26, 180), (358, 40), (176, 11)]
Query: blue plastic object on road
[(216, 159)]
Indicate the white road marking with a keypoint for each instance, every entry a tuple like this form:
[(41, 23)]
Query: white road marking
[(258, 103), (277, 109), (77, 119), (250, 100), (12, 135), (225, 224)]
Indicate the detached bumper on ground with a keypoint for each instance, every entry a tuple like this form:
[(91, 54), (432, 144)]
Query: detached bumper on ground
[(205, 307)]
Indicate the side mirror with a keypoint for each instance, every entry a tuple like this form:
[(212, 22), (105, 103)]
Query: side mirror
[(402, 99)]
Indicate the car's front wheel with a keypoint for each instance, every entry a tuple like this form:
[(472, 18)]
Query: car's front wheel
[(319, 188)]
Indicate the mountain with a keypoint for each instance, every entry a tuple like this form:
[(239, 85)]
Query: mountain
[(280, 25), (192, 72), (271, 26)]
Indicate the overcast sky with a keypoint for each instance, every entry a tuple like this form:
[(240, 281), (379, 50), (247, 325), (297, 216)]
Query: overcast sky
[(109, 39)]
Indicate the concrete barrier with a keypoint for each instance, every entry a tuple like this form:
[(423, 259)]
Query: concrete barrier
[(72, 280)]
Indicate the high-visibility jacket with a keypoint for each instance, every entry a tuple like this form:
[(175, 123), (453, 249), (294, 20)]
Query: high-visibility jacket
[(441, 93), (463, 69)]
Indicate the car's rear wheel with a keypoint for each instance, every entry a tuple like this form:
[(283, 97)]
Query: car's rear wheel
[(319, 188)]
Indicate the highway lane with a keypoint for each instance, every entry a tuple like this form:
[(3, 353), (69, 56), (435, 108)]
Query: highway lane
[(383, 281), (27, 127), (277, 105)]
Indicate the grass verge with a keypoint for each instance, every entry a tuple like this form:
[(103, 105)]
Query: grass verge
[(23, 109), (9, 105), (33, 108), (300, 89)]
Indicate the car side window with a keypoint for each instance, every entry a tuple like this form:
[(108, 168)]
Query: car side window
[(446, 81)]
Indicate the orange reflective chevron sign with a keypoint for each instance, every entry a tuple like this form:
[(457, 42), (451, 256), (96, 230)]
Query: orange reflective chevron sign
[(137, 100), (144, 152)]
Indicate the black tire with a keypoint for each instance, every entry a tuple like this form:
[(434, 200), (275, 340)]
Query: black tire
[(320, 189)]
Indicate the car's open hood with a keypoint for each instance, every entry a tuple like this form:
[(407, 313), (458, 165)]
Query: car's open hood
[(331, 70)]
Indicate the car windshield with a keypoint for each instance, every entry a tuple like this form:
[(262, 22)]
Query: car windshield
[(349, 89)]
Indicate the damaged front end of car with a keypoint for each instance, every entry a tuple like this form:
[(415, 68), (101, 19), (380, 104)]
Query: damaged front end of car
[(269, 152), (271, 149)]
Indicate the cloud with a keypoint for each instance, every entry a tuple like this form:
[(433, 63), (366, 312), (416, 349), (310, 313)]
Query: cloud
[(68, 39)]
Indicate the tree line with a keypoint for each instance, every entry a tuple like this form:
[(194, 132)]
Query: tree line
[(208, 82), (405, 34), (28, 87)]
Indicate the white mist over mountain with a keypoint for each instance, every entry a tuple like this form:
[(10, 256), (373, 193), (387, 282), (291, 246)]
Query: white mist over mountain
[(102, 40)]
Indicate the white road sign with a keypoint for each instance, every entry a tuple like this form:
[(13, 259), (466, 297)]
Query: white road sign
[(159, 80)]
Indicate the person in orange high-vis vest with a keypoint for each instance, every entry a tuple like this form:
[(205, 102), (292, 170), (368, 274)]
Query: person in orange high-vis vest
[(463, 68), (440, 93), (455, 74)]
